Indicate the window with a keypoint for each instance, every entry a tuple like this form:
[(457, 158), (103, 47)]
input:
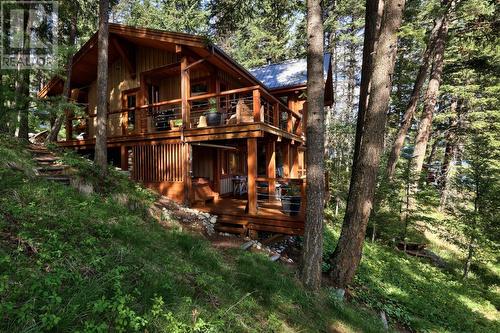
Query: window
[(130, 103), (153, 93)]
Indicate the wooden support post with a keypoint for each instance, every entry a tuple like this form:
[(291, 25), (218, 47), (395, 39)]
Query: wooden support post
[(256, 106), (271, 168), (304, 119), (186, 172), (218, 170), (252, 175), (294, 171), (276, 114), (185, 93), (141, 121), (124, 157), (289, 123), (286, 159)]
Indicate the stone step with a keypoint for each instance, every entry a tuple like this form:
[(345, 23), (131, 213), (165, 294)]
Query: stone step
[(40, 151), (46, 159), (51, 168), (57, 178)]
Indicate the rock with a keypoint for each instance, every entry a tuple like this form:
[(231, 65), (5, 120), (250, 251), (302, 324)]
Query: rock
[(275, 257), (213, 219), (384, 320), (247, 245)]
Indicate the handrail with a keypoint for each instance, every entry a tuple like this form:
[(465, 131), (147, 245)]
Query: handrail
[(274, 99), (222, 93), (247, 89)]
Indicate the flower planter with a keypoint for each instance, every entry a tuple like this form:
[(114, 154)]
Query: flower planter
[(213, 118)]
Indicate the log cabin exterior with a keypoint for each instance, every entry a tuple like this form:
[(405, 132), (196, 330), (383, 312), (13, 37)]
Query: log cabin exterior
[(187, 120)]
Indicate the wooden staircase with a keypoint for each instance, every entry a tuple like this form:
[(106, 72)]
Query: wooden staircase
[(49, 166)]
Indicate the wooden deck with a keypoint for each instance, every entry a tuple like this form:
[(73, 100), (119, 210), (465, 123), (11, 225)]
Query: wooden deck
[(232, 217)]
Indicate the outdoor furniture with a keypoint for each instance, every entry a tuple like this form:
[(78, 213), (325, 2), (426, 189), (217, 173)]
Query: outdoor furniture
[(240, 185)]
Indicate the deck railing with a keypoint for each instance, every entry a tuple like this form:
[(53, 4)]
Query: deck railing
[(231, 107), (290, 191)]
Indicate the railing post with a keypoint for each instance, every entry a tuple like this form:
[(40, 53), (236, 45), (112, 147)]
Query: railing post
[(276, 114), (256, 106)]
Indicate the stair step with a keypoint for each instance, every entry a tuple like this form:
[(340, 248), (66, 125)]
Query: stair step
[(50, 168), (39, 151), (46, 159), (55, 178)]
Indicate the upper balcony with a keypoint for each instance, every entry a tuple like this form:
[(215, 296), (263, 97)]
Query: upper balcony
[(227, 114)]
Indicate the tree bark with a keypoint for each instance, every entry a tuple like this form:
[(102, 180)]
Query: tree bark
[(313, 233), (417, 87), (449, 155), (347, 254), (23, 86), (430, 100), (101, 153), (373, 17), (56, 127)]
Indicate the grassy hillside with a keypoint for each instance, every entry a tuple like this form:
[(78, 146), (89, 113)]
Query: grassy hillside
[(93, 264), (100, 263)]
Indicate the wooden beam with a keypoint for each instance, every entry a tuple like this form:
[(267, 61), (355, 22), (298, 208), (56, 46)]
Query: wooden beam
[(185, 93), (271, 168), (129, 61), (256, 105), (197, 62), (124, 157), (252, 175), (186, 172), (286, 159), (294, 171), (276, 114)]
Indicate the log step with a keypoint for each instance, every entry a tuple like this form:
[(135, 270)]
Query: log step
[(57, 178)]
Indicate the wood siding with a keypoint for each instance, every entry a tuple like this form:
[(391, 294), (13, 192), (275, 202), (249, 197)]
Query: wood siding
[(157, 163)]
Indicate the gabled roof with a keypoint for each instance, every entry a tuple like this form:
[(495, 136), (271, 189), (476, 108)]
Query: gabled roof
[(287, 74), (84, 68)]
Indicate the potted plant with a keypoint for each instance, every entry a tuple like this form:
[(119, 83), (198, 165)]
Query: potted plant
[(290, 200), (213, 117)]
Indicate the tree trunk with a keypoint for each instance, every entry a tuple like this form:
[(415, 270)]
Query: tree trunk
[(22, 103), (101, 153), (449, 156), (56, 127), (468, 261), (347, 254), (430, 100), (417, 87), (23, 86), (373, 17), (313, 233)]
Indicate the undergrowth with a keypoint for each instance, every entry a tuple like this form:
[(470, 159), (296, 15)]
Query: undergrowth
[(89, 263)]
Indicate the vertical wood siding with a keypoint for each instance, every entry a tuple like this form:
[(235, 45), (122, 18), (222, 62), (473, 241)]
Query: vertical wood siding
[(157, 163)]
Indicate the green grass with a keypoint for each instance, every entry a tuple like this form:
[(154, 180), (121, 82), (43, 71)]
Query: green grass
[(419, 295), (70, 262), (98, 263)]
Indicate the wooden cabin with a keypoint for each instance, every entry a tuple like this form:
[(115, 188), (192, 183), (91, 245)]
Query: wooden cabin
[(187, 120)]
